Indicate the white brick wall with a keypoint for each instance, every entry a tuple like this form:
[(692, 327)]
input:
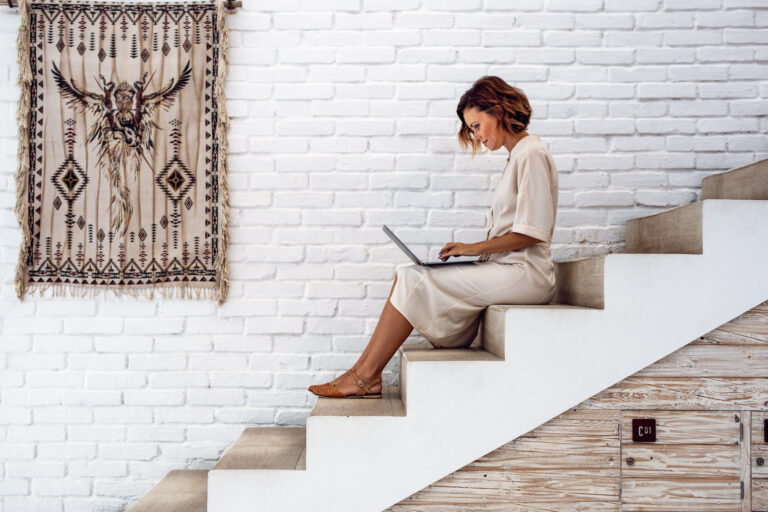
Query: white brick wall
[(343, 119)]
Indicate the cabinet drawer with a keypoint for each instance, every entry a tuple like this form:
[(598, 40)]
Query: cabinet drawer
[(694, 463)]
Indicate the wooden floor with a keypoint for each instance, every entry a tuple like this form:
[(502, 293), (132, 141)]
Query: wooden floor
[(710, 403)]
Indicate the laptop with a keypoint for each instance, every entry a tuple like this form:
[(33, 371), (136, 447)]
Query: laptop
[(417, 261)]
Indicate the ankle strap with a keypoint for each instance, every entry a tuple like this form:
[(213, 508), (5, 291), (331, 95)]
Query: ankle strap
[(360, 382)]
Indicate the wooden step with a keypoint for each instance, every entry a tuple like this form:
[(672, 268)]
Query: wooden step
[(422, 353), (390, 404), (267, 448), (674, 231), (581, 282), (179, 491), (746, 182)]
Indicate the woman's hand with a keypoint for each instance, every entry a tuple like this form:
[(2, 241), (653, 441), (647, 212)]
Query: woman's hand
[(457, 249)]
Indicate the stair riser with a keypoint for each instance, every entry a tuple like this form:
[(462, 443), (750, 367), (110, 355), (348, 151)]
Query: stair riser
[(747, 182), (493, 331), (676, 231), (580, 282)]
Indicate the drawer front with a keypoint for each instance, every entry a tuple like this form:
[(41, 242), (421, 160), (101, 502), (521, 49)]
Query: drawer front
[(694, 464)]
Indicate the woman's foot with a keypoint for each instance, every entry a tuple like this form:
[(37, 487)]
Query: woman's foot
[(347, 385)]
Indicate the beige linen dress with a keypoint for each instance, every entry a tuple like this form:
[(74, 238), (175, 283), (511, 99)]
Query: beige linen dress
[(444, 303)]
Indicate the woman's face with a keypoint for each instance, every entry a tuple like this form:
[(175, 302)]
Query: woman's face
[(484, 127)]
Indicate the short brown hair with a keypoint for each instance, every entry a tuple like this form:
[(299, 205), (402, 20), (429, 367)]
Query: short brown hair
[(492, 95)]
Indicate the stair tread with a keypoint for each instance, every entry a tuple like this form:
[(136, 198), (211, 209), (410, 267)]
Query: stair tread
[(553, 305), (179, 491), (428, 353), (267, 448), (390, 404)]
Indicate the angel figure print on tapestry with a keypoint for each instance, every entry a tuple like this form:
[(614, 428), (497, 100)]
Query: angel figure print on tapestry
[(122, 172)]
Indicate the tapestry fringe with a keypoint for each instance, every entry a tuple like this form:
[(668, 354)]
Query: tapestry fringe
[(222, 130), (22, 172), (136, 292)]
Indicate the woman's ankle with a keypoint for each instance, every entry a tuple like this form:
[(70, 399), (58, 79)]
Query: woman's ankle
[(367, 374)]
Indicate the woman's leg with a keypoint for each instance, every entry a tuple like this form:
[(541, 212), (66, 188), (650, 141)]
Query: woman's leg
[(391, 331)]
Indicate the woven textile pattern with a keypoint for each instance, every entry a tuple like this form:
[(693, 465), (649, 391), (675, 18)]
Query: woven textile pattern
[(122, 177)]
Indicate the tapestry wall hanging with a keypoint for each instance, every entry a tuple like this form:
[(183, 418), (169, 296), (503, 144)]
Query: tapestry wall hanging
[(122, 153)]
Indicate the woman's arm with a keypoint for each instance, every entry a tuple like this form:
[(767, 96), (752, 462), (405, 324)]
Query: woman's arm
[(509, 242)]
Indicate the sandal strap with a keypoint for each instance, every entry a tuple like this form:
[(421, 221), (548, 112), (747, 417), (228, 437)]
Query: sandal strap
[(360, 382)]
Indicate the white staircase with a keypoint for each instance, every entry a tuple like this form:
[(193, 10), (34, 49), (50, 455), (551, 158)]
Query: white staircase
[(687, 271)]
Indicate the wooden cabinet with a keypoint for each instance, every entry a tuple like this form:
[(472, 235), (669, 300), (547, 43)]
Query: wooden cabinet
[(694, 464)]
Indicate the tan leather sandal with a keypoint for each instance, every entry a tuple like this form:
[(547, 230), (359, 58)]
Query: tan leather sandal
[(329, 390)]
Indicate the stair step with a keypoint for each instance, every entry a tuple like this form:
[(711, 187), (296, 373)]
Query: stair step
[(673, 231), (179, 491), (422, 353), (746, 182), (581, 282), (267, 448), (390, 404), (493, 324)]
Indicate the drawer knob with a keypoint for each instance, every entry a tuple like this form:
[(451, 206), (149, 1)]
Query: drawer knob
[(760, 461)]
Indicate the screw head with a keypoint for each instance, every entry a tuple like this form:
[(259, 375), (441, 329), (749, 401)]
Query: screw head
[(760, 461), (630, 461)]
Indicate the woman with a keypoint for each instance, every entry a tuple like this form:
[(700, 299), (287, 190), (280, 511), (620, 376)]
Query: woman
[(515, 264)]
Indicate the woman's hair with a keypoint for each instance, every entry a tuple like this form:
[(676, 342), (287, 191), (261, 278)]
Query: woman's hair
[(492, 95)]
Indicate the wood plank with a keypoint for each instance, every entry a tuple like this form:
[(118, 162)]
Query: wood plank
[(536, 454), (711, 361), (685, 427), (758, 428), (532, 488), (749, 328), (688, 393), (581, 423), (484, 506), (759, 451), (586, 439), (680, 460), (760, 494), (745, 448), (681, 494)]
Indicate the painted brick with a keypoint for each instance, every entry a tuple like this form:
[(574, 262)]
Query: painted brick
[(343, 119)]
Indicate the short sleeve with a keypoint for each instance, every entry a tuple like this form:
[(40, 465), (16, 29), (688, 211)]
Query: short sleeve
[(535, 208)]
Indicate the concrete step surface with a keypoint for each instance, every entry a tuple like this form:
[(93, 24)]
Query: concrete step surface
[(179, 491), (267, 448)]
